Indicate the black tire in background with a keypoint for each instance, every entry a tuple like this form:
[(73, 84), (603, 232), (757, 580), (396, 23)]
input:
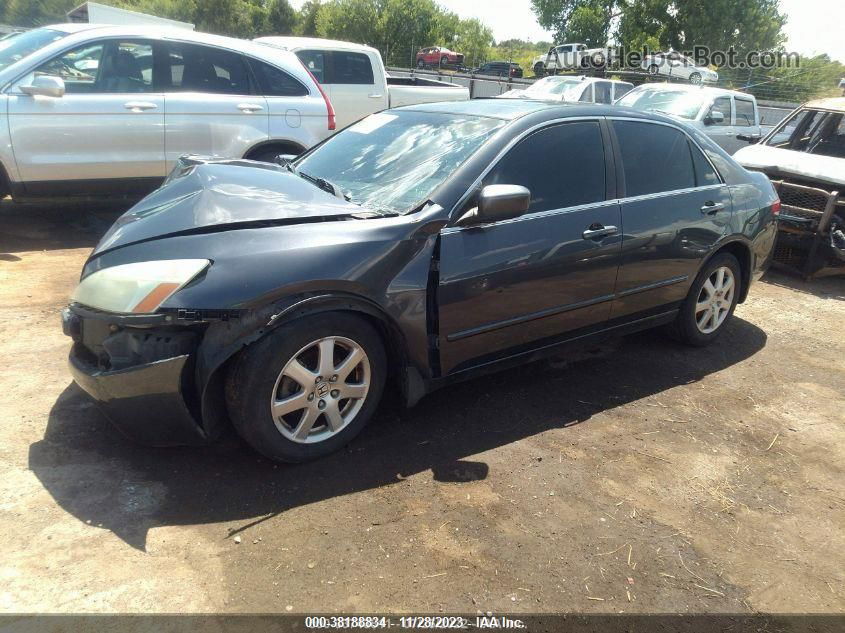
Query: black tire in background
[(252, 379), (685, 327)]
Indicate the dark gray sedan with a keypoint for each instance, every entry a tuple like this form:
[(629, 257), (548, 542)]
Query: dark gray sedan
[(419, 246)]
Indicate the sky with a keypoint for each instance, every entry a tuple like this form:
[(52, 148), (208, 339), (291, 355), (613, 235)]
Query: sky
[(814, 26)]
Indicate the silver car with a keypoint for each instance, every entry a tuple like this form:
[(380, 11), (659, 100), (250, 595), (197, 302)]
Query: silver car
[(730, 117), (108, 109)]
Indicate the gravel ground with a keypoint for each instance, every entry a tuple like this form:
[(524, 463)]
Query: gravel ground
[(640, 476)]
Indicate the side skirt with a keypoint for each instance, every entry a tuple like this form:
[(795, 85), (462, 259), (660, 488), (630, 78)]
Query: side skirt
[(553, 348)]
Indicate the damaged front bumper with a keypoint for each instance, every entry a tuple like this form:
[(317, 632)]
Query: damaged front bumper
[(139, 371)]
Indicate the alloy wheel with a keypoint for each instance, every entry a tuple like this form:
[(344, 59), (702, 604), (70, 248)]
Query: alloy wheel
[(714, 300), (320, 390)]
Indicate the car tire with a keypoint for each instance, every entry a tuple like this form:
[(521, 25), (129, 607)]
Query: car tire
[(261, 376), (695, 78), (710, 303), (420, 64), (539, 70), (444, 61), (269, 155), (653, 69)]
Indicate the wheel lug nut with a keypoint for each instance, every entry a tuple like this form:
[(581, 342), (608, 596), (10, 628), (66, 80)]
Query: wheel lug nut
[(310, 397), (319, 379), (335, 393), (334, 378), (322, 404)]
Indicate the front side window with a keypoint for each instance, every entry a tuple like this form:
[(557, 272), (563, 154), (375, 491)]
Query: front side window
[(195, 68), (315, 62), (20, 46), (274, 82), (744, 112), (104, 67), (562, 166), (392, 161), (655, 158), (587, 95), (722, 105)]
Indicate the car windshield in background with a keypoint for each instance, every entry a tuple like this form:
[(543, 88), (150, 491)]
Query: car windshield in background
[(390, 162), (813, 131), (551, 86), (679, 103), (16, 48)]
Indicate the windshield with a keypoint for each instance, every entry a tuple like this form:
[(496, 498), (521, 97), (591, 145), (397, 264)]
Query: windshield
[(679, 103), (16, 48), (392, 161), (812, 131), (551, 85)]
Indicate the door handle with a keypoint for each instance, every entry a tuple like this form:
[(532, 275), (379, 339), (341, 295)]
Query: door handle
[(711, 207), (375, 96), (597, 230), (249, 107), (139, 106)]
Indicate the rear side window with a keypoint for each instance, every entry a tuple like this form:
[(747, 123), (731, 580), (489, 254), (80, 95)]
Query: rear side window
[(351, 68), (744, 112), (621, 89), (704, 172), (563, 166), (655, 158), (195, 68), (603, 92), (274, 82)]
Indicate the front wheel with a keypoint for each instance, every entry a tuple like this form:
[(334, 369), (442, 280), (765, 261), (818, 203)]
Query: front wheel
[(695, 78), (420, 64), (444, 61), (710, 303), (309, 387), (653, 69), (539, 70)]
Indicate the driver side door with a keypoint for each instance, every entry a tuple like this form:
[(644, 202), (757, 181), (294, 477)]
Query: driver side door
[(107, 130), (508, 286)]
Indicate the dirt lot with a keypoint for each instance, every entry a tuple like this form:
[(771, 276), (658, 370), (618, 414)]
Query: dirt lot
[(643, 477)]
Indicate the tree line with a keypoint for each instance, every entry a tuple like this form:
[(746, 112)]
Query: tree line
[(398, 28)]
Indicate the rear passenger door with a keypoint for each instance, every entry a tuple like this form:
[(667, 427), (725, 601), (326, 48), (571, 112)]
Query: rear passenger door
[(210, 105), (508, 285), (675, 208)]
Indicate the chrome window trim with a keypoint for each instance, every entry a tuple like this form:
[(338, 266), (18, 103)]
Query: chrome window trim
[(462, 200)]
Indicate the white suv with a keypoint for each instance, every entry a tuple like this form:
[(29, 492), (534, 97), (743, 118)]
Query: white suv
[(109, 109)]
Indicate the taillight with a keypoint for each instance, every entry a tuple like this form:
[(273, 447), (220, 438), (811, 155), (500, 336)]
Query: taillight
[(776, 207), (329, 108)]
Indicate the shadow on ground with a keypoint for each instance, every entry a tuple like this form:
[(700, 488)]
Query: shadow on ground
[(98, 477)]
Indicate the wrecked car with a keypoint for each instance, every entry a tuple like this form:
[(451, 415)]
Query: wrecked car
[(421, 246), (805, 158)]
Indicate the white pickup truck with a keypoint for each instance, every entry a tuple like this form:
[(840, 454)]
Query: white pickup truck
[(355, 81), (570, 57)]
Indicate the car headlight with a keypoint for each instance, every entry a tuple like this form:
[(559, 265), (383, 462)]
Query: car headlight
[(136, 288)]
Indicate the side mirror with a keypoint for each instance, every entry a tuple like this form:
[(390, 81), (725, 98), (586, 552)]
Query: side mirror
[(498, 202), (715, 117), (284, 159), (748, 138), (45, 85)]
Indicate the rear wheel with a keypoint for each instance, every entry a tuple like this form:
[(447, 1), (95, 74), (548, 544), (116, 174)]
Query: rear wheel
[(444, 61), (653, 69), (539, 70), (710, 303), (309, 387), (268, 154), (695, 78), (420, 64)]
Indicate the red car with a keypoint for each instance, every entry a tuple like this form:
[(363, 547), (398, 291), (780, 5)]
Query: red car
[(438, 56)]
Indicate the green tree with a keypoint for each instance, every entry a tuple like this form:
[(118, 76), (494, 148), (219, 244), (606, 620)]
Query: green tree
[(36, 12), (281, 17), (307, 19), (473, 40)]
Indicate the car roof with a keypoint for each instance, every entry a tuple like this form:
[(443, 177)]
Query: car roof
[(512, 109), (693, 88), (298, 43), (833, 103)]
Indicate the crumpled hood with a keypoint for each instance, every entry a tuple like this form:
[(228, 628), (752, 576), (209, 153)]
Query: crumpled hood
[(777, 162), (222, 196)]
